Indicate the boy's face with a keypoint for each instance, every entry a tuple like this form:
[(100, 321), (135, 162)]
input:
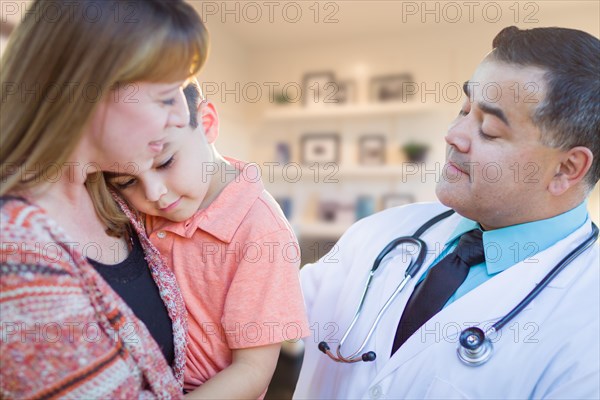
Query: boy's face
[(179, 180)]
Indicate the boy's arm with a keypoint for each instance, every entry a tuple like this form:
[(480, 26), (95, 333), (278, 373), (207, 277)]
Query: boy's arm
[(247, 377)]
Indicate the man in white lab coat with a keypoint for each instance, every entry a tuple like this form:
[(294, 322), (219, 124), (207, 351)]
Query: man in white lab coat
[(522, 157)]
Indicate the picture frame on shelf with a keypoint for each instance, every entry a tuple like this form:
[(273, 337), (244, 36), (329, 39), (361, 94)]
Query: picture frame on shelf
[(387, 88), (318, 89), (319, 148), (396, 199), (372, 150), (328, 211), (345, 92), (340, 212)]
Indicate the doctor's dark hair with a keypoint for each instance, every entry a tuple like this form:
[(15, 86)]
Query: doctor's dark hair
[(569, 115)]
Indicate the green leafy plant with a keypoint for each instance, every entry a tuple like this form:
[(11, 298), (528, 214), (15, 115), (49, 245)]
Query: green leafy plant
[(415, 152), (282, 98)]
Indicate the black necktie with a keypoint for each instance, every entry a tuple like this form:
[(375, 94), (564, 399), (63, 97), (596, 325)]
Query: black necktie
[(439, 285)]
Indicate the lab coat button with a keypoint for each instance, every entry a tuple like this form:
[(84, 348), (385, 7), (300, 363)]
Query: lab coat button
[(375, 392), (161, 234)]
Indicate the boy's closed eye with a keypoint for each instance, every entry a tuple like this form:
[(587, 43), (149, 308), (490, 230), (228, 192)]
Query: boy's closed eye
[(166, 164), (122, 182)]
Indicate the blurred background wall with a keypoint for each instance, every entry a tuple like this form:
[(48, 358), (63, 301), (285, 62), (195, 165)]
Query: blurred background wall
[(396, 67), (268, 67), (326, 95)]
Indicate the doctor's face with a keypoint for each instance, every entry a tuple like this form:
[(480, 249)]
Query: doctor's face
[(497, 170)]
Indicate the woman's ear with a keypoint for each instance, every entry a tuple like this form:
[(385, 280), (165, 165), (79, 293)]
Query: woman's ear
[(208, 117), (574, 164)]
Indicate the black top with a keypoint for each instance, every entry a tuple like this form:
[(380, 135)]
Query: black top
[(132, 280)]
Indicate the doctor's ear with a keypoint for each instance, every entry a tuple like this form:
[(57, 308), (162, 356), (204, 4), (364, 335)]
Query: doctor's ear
[(208, 117), (573, 166)]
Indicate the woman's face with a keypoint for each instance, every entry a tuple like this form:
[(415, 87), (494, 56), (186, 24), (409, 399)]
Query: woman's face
[(130, 126)]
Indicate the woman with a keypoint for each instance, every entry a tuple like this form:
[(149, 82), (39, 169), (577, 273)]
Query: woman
[(88, 86)]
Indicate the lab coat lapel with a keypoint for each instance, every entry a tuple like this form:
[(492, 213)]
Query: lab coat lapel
[(487, 303), (435, 238)]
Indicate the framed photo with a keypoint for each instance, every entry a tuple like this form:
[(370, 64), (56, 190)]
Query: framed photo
[(328, 211), (346, 92), (371, 150), (389, 87), (318, 88), (336, 211), (396, 199), (320, 148)]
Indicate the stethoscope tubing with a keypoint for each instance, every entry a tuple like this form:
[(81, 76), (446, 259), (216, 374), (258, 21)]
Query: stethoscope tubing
[(407, 277), (412, 270), (546, 280)]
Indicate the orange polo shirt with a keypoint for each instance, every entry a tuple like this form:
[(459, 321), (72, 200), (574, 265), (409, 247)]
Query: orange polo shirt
[(236, 263)]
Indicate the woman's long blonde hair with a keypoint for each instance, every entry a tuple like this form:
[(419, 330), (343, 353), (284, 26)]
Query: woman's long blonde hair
[(61, 56)]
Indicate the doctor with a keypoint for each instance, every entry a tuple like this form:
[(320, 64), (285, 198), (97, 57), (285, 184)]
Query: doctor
[(521, 161)]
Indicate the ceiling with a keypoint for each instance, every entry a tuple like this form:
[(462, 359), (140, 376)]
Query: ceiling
[(266, 24)]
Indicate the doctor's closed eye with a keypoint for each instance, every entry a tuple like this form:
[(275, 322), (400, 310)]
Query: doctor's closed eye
[(464, 112)]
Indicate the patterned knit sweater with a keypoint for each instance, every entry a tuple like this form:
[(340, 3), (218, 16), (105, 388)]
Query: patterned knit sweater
[(64, 332)]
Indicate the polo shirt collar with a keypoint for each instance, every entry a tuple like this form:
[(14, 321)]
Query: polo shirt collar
[(510, 245), (225, 214)]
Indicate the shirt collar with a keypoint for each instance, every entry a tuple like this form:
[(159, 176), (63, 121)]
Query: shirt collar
[(510, 245), (225, 214)]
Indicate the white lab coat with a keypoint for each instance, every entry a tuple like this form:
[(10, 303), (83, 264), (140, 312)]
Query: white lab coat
[(550, 350)]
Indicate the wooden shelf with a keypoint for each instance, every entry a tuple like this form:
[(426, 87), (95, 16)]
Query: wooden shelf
[(294, 113), (320, 229), (333, 173)]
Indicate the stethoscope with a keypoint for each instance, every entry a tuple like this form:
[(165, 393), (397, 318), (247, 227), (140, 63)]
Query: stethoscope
[(475, 347)]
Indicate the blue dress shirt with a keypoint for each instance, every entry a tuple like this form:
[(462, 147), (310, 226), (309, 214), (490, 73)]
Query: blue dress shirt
[(508, 246)]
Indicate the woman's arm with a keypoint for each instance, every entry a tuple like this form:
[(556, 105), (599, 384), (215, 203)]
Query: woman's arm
[(246, 378)]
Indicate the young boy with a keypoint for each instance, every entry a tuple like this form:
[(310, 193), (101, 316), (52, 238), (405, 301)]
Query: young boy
[(232, 251)]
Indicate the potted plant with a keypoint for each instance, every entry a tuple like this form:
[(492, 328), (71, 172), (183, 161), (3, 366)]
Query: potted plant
[(415, 152), (282, 99)]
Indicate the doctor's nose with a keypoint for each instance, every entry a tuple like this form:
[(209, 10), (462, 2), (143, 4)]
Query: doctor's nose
[(155, 191), (458, 136)]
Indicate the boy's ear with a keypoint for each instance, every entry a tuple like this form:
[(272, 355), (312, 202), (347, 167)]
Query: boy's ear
[(209, 119)]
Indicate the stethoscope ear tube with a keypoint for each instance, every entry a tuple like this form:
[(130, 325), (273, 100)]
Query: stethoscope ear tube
[(475, 347), (411, 271), (548, 278)]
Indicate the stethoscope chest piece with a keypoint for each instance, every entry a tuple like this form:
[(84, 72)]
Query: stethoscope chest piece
[(474, 347)]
